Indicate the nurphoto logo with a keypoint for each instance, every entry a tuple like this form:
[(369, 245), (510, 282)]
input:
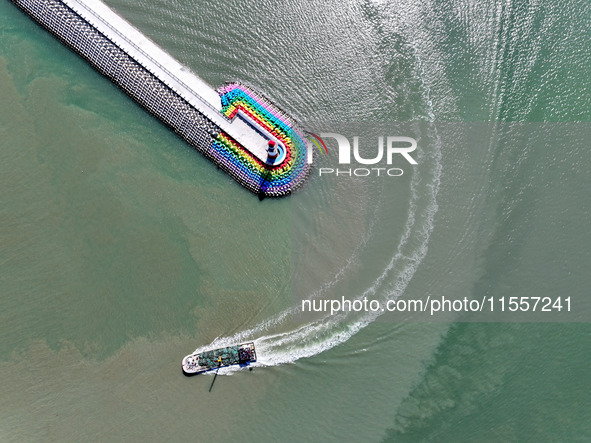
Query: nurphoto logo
[(395, 146)]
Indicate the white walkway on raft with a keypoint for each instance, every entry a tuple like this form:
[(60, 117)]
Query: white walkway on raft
[(176, 76)]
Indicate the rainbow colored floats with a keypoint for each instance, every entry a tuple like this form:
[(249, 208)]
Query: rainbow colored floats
[(265, 178)]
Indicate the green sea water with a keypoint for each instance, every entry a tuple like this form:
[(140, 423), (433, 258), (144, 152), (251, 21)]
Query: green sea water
[(122, 249)]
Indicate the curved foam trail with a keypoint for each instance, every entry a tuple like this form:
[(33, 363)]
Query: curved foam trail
[(314, 337), (331, 330)]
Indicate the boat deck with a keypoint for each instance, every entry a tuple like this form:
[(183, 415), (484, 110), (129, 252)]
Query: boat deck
[(242, 355)]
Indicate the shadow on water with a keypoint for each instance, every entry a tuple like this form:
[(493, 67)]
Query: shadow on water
[(265, 181)]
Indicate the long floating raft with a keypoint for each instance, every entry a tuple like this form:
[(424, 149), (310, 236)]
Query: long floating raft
[(238, 129)]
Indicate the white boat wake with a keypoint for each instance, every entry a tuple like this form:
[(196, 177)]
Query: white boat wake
[(314, 337)]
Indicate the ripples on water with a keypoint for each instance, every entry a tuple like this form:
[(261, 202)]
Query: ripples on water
[(328, 63), (462, 221)]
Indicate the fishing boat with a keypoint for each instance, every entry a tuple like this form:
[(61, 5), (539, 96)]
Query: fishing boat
[(241, 355)]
